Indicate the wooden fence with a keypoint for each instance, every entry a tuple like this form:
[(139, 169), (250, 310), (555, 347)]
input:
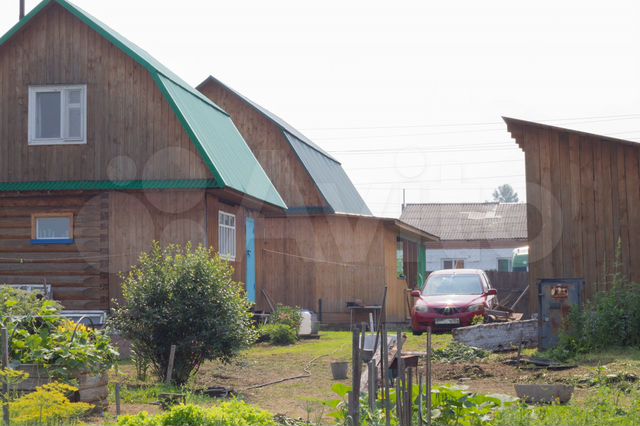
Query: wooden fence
[(510, 286)]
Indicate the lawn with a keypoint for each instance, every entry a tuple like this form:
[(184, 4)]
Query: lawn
[(302, 397)]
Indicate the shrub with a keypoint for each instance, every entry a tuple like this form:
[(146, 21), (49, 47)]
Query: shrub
[(457, 352), (278, 334), (610, 319), (48, 405), (229, 413), (288, 315), (40, 335), (183, 297)]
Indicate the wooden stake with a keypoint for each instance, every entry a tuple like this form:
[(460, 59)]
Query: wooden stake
[(4, 336), (428, 376), (117, 400), (354, 395), (172, 356), (385, 374)]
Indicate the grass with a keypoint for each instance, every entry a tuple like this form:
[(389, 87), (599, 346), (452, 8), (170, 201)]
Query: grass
[(302, 397)]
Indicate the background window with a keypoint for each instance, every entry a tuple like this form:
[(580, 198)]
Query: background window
[(52, 228), (453, 264), (227, 235), (504, 265), (57, 115), (400, 259)]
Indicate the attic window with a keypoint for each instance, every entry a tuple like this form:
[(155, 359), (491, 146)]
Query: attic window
[(57, 115)]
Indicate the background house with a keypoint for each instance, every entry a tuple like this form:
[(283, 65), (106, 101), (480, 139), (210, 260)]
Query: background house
[(102, 150), (583, 197), (326, 249), (472, 235)]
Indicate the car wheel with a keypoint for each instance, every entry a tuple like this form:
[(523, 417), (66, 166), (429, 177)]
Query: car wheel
[(417, 333)]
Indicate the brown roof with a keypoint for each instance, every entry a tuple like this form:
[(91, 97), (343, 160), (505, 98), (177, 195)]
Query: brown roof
[(469, 221)]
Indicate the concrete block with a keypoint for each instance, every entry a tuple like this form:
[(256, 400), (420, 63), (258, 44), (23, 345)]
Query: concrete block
[(499, 336)]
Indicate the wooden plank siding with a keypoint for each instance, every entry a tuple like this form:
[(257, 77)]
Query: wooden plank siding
[(132, 133), (273, 151), (334, 258), (583, 195), (78, 272)]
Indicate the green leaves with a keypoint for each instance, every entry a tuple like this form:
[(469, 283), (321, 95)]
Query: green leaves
[(184, 297)]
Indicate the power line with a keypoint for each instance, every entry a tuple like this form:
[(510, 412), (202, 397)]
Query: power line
[(515, 160), (468, 124), (472, 148), (438, 180)]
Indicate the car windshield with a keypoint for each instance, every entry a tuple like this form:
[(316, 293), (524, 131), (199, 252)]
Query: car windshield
[(452, 284)]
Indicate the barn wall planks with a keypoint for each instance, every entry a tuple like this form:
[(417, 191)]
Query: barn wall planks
[(270, 147), (583, 194), (333, 258), (132, 133), (78, 273), (136, 219)]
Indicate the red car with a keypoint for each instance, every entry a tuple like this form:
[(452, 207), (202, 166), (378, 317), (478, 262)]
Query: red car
[(451, 298)]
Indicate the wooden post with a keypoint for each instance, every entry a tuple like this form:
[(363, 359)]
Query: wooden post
[(373, 392), (420, 412), (385, 374), (4, 336), (354, 395), (117, 400), (428, 376), (172, 356)]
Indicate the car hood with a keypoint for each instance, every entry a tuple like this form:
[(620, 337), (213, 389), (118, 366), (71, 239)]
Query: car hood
[(457, 300)]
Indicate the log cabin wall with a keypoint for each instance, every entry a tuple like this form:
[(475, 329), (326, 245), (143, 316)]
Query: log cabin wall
[(270, 147), (583, 196), (132, 133), (334, 258), (78, 272)]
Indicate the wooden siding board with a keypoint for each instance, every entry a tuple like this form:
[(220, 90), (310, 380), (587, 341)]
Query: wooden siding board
[(534, 213), (61, 49), (566, 200)]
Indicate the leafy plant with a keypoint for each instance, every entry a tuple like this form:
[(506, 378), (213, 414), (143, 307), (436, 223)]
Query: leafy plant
[(450, 406), (40, 335), (184, 297), (48, 405), (228, 413), (140, 362), (457, 352), (610, 319), (290, 316), (278, 334)]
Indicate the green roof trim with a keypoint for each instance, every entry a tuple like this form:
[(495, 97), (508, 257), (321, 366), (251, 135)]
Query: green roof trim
[(209, 127), (105, 185)]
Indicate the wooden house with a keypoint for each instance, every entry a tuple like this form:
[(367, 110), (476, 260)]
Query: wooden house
[(472, 235), (583, 197), (327, 249), (102, 150)]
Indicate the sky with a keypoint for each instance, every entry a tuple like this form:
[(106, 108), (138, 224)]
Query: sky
[(407, 95)]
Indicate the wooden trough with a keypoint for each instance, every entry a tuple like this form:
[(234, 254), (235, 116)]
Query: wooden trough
[(92, 388)]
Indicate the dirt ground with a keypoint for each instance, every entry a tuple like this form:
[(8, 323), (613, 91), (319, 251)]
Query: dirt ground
[(259, 375)]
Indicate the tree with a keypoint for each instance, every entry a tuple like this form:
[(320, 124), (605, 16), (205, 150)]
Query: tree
[(505, 194), (183, 297)]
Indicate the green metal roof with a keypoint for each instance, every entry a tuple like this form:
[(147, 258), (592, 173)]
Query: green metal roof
[(103, 185), (330, 178), (211, 130)]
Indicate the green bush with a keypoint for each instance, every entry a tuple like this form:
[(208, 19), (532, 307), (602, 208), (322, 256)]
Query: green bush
[(278, 334), (229, 413), (610, 319), (183, 297), (40, 335), (288, 315)]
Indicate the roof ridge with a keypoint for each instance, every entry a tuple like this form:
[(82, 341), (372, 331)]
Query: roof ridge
[(277, 120)]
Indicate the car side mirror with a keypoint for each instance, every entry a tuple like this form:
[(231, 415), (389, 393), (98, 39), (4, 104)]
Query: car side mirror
[(415, 293), (492, 292)]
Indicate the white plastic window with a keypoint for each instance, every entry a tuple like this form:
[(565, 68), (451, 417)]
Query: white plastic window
[(57, 115), (227, 235)]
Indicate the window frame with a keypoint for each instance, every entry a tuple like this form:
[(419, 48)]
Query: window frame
[(508, 260), (64, 114), (234, 232), (454, 263), (34, 228)]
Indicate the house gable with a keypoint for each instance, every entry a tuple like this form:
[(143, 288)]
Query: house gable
[(137, 128)]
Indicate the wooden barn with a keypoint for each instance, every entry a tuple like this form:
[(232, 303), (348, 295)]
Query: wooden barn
[(102, 150), (583, 196), (326, 249)]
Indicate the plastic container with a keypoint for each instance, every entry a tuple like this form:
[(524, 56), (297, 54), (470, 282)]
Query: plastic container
[(339, 370)]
